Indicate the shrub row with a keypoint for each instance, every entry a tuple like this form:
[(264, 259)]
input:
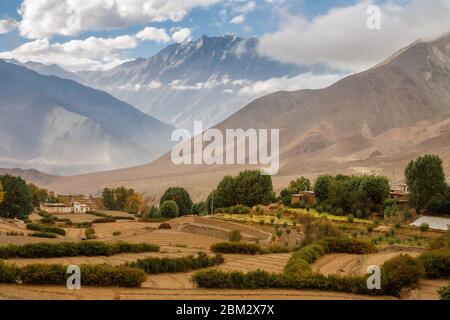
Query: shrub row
[(56, 274), (397, 273), (436, 264), (104, 220), (300, 261), (347, 245), (173, 265), (47, 229), (215, 279), (400, 272), (69, 249), (44, 235), (236, 247)]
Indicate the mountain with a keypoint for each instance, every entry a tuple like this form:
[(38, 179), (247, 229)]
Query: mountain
[(372, 122), (199, 80), (48, 70), (61, 127), (31, 175)]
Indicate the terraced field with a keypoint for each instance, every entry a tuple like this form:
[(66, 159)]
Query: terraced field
[(176, 243), (352, 264), (16, 292)]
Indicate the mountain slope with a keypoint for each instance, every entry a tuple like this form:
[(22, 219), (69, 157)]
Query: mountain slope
[(48, 70), (60, 126), (199, 80), (372, 122)]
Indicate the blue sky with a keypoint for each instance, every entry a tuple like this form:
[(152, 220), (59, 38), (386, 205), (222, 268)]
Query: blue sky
[(295, 31), (208, 21)]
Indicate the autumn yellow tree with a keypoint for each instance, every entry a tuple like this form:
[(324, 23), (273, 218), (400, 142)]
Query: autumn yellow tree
[(135, 203), (2, 194)]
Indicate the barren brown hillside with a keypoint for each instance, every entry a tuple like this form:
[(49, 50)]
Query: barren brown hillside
[(372, 122)]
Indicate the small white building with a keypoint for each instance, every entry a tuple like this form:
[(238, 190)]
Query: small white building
[(61, 208)]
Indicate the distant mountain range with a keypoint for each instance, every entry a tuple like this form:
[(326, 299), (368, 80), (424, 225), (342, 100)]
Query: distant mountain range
[(208, 79), (372, 122), (62, 127)]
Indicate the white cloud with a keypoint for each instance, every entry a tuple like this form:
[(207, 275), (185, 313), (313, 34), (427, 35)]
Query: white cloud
[(8, 25), (151, 86), (238, 19), (153, 34), (45, 18), (302, 81), (182, 35), (89, 54), (246, 7), (341, 38)]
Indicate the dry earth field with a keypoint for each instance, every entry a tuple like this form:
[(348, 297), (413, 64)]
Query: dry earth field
[(176, 243)]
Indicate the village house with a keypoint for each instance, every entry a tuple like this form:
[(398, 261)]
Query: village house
[(308, 197), (400, 194), (62, 208)]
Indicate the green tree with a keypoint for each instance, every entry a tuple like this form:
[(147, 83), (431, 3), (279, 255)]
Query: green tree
[(225, 195), (109, 201), (299, 185), (39, 195), (253, 188), (169, 209), (121, 196), (199, 208), (322, 187), (18, 201), (426, 180), (286, 197), (181, 197), (295, 186)]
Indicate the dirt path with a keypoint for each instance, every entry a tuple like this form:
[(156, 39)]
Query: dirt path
[(427, 290)]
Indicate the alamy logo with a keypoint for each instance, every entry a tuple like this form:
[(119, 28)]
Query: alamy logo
[(374, 20), (74, 20), (74, 280), (239, 147), (374, 280)]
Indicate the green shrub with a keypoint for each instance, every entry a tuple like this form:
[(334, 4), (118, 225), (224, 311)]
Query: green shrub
[(44, 235), (345, 245), (173, 265), (91, 275), (104, 220), (44, 274), (47, 229), (400, 272), (111, 276), (445, 293), (165, 226), (239, 209), (236, 247), (235, 236), (436, 264), (350, 218), (300, 261), (169, 209), (215, 279), (9, 273), (14, 234), (69, 249), (424, 227)]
